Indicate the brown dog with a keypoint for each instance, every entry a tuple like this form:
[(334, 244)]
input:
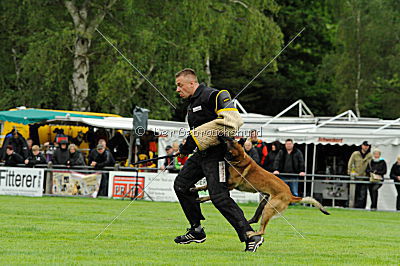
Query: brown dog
[(246, 175)]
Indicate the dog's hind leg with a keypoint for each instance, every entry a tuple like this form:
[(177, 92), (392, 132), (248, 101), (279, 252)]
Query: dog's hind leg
[(200, 188), (203, 199), (259, 210), (272, 208)]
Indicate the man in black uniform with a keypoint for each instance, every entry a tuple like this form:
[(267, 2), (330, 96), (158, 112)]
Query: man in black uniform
[(210, 113)]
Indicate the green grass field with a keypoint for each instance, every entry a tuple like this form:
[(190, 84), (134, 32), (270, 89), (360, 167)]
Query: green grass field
[(52, 230)]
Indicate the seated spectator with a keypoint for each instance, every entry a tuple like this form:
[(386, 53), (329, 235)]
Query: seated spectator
[(61, 154), (36, 157), (103, 142), (395, 175), (18, 142), (29, 142), (75, 157), (12, 158), (252, 152), (100, 157)]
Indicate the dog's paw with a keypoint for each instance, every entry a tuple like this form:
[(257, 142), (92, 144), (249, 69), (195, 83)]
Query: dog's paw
[(251, 234)]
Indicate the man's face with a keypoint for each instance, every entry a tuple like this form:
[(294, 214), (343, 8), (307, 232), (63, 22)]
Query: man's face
[(289, 145), (170, 151), (247, 145), (101, 151), (102, 142), (9, 152), (185, 86), (253, 135), (364, 148), (29, 142), (35, 152)]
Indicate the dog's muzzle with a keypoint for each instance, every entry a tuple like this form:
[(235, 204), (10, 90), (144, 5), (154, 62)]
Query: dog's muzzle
[(228, 156)]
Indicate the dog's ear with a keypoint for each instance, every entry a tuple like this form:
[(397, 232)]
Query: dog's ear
[(225, 139)]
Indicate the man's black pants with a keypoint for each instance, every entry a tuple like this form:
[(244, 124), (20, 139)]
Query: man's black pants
[(206, 163), (361, 195)]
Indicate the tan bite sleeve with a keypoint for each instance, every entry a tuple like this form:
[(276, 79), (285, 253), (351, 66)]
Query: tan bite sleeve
[(228, 123)]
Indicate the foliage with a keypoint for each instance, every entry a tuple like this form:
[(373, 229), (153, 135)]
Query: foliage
[(177, 36), (374, 40), (226, 41)]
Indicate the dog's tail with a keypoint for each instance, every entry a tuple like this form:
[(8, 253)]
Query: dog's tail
[(311, 201)]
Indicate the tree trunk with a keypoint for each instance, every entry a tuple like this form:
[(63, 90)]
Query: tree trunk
[(17, 69), (358, 82), (79, 88), (208, 69), (84, 28)]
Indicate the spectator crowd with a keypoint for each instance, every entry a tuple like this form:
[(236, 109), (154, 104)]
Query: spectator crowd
[(286, 161)]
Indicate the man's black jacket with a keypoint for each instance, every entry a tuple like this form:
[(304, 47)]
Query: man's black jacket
[(297, 161), (102, 160)]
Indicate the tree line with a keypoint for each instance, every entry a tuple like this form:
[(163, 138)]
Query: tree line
[(346, 58)]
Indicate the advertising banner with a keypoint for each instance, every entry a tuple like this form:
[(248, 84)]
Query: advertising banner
[(158, 187), (162, 189), (73, 183), (21, 181), (127, 184)]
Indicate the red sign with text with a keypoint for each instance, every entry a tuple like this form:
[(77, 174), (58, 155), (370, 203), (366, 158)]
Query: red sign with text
[(124, 184)]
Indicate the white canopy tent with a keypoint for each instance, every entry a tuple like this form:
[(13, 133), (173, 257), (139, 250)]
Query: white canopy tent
[(305, 128), (343, 129)]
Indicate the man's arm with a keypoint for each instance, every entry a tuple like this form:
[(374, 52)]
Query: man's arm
[(350, 164), (301, 161), (188, 147), (108, 162), (18, 158), (91, 157), (42, 159)]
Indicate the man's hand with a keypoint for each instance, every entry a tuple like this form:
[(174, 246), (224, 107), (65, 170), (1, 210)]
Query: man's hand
[(187, 148), (93, 164), (276, 172), (398, 178), (302, 174), (26, 161)]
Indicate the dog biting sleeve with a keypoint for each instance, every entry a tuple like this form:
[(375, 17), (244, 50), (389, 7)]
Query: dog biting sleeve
[(227, 123)]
